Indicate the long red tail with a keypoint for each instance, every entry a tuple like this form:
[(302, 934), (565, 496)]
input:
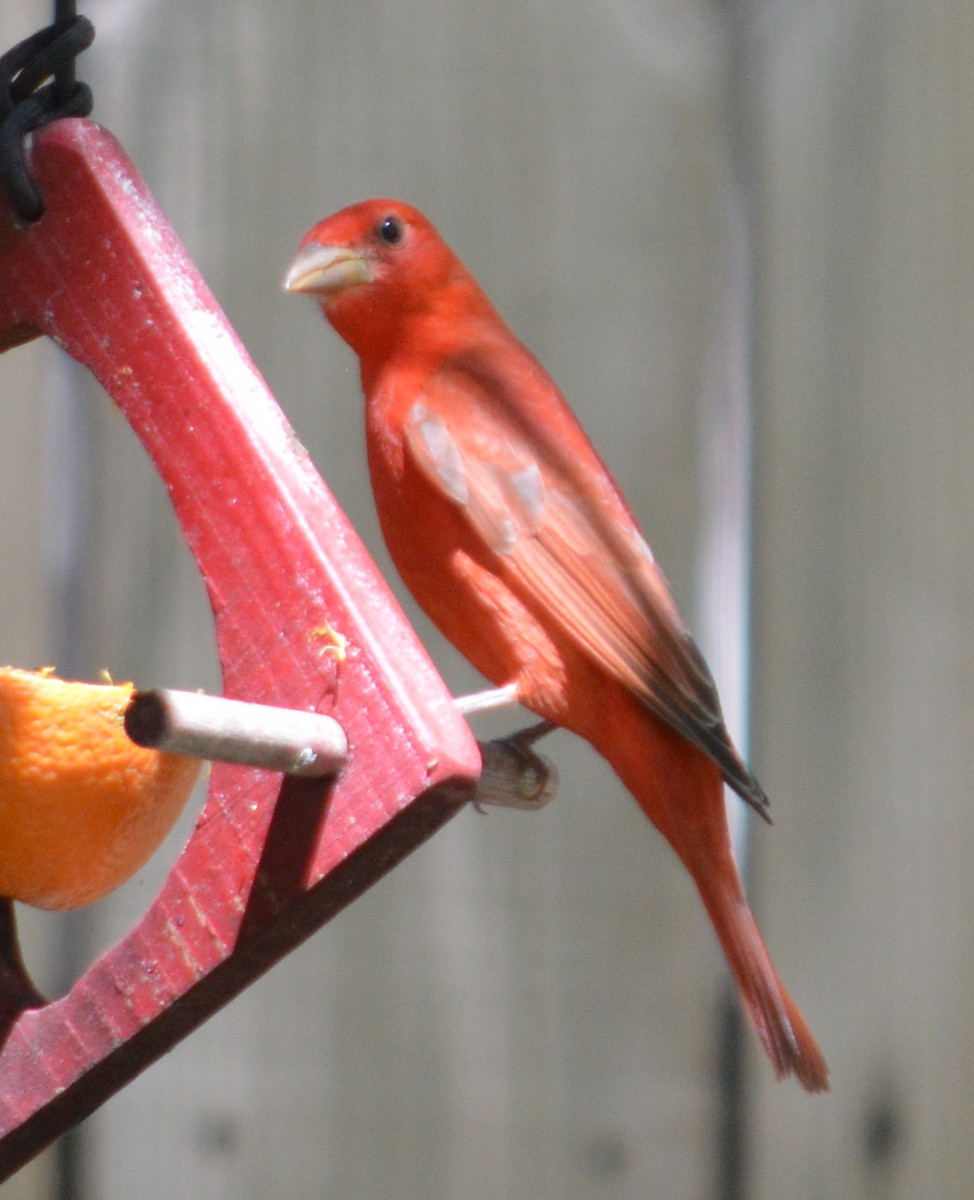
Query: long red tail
[(681, 791), (774, 1014)]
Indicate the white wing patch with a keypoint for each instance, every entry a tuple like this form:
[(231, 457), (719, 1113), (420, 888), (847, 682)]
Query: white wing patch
[(528, 488), (437, 452), (500, 487)]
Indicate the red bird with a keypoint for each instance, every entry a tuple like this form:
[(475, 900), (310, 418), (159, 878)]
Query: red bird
[(511, 534)]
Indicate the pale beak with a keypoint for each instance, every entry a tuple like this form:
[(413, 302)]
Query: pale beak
[(326, 270)]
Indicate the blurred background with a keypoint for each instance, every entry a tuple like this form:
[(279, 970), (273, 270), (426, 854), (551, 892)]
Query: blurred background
[(740, 235)]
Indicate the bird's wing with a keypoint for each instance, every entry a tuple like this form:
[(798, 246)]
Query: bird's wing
[(550, 512)]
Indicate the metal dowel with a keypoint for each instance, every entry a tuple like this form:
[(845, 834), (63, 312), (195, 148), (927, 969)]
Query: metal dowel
[(235, 731)]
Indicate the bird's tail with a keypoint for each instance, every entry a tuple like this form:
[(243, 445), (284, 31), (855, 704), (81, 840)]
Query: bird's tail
[(774, 1014), (681, 791)]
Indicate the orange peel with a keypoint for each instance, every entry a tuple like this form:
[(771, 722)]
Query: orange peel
[(82, 807)]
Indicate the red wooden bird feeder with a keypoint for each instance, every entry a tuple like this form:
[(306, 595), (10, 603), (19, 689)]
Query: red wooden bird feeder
[(103, 275)]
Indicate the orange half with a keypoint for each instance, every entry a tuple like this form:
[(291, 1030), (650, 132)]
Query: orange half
[(82, 807)]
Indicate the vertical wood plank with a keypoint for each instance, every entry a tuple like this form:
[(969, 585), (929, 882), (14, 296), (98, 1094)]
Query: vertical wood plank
[(865, 588)]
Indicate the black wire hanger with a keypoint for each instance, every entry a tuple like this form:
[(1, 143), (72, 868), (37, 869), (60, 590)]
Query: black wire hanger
[(28, 101)]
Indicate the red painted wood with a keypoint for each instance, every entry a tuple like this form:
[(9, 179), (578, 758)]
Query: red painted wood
[(104, 275)]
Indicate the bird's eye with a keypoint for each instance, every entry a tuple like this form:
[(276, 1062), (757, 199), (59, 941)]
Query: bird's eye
[(391, 230)]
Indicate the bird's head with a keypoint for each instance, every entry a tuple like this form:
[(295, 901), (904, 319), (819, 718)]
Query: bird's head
[(373, 267)]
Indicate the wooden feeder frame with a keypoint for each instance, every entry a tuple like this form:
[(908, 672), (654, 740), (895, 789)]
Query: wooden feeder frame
[(271, 859)]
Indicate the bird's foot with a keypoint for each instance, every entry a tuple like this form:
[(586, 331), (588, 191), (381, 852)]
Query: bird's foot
[(513, 774)]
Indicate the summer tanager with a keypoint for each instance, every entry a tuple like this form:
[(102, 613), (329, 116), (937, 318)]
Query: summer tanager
[(511, 534)]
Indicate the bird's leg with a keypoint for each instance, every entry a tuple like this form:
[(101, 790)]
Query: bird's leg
[(482, 701)]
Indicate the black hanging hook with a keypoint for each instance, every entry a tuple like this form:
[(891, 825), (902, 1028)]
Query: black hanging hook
[(27, 102)]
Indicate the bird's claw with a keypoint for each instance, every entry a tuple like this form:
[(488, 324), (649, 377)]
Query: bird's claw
[(513, 775)]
